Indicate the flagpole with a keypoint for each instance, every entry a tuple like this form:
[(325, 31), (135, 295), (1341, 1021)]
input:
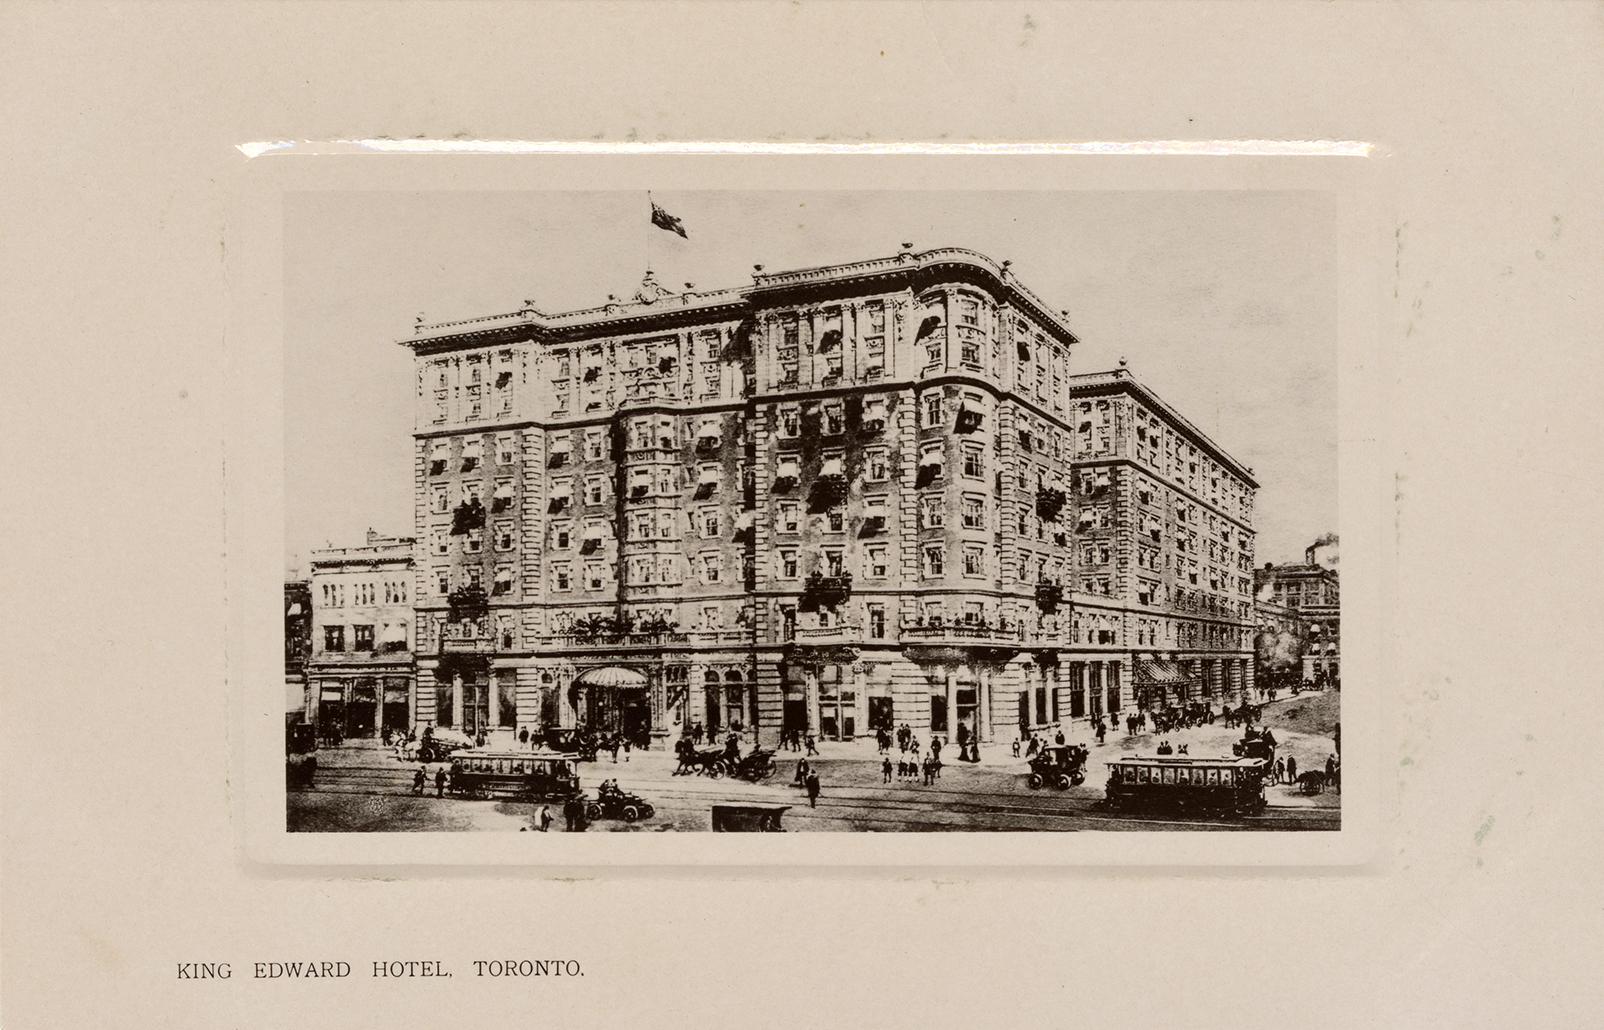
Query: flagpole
[(650, 207)]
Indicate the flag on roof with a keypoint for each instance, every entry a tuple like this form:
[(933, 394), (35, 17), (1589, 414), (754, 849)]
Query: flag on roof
[(663, 220)]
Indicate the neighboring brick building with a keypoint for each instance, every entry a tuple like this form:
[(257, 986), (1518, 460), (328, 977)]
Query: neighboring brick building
[(1312, 590), (360, 673), (297, 646), (835, 499)]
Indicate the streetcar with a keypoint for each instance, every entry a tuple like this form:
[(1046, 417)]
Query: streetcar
[(545, 776), (1182, 785)]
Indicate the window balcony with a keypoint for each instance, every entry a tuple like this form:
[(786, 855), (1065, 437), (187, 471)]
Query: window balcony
[(982, 633), (828, 590)]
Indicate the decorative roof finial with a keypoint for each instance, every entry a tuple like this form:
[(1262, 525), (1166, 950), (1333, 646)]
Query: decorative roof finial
[(757, 268)]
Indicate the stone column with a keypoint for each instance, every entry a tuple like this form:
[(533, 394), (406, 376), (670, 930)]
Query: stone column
[(456, 700), (983, 709), (860, 700), (952, 703), (494, 686), (811, 677)]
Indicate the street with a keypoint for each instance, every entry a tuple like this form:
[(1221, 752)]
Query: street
[(362, 787)]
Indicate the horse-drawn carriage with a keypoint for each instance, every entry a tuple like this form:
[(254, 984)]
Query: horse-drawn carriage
[(1058, 764), (709, 761), (581, 743)]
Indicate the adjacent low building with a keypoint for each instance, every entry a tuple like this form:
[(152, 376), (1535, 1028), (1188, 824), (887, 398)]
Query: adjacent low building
[(1310, 592), (834, 500), (360, 672)]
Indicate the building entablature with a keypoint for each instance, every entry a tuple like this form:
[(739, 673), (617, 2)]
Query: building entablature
[(656, 308)]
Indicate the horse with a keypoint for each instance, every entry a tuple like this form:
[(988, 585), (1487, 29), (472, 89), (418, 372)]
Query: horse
[(1311, 782)]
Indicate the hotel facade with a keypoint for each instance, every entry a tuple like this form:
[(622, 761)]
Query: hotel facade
[(834, 499)]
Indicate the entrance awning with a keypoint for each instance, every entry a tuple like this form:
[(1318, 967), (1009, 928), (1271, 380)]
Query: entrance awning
[(611, 676), (1159, 674)]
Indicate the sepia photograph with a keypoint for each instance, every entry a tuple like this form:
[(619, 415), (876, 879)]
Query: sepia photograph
[(858, 510)]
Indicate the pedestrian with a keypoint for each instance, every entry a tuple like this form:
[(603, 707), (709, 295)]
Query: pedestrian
[(801, 771), (1279, 771), (418, 781), (626, 749), (543, 818), (1101, 731), (1292, 769), (930, 770), (811, 749), (523, 737), (1016, 747), (440, 783), (568, 814), (885, 768), (1058, 738), (813, 789), (902, 765), (616, 743)]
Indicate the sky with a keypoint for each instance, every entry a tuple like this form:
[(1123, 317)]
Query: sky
[(1223, 303)]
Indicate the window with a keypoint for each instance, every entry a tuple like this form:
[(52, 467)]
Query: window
[(709, 524), (502, 584), (834, 420), (790, 422), (934, 565), (593, 490), (876, 562), (561, 577), (877, 621), (443, 583), (504, 536), (788, 517), (835, 519), (974, 513), (593, 575), (471, 453), (788, 564), (334, 638), (475, 541), (974, 561), (874, 513), (710, 568), (439, 456), (834, 563), (504, 449), (932, 511), (932, 409), (974, 462), (441, 501), (475, 576), (875, 461)]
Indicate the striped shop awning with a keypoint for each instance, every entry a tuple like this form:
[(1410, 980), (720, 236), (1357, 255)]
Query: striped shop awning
[(1158, 674)]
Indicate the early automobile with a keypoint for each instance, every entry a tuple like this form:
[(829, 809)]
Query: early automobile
[(1183, 785), (612, 803), (759, 765), (541, 775), (1060, 765), (748, 818)]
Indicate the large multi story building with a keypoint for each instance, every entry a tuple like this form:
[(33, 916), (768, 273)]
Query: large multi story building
[(835, 499), (360, 672)]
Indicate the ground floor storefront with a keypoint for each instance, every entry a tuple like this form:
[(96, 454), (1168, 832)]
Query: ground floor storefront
[(355, 702), (953, 693)]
